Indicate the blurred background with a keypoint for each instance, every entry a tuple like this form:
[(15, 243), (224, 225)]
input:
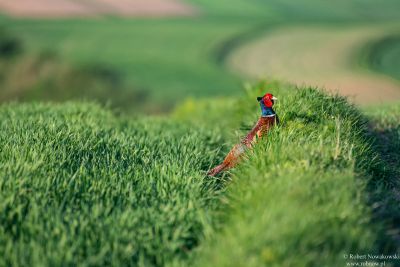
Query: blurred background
[(147, 55)]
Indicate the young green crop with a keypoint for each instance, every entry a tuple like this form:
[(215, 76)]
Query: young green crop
[(305, 195), (79, 186)]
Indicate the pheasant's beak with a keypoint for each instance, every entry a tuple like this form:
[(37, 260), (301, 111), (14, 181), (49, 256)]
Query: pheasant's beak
[(274, 98)]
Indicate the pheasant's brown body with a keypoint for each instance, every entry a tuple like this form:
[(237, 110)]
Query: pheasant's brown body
[(262, 127)]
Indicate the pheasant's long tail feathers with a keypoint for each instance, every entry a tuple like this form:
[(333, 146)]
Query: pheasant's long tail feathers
[(217, 170)]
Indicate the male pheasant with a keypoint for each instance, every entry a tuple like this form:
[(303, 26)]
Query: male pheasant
[(267, 120)]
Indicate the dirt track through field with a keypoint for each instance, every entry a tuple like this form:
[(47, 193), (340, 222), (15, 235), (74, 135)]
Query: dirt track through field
[(90, 8), (320, 57)]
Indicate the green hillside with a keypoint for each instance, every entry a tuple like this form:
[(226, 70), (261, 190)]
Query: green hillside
[(384, 56), (82, 186), (308, 194), (164, 61)]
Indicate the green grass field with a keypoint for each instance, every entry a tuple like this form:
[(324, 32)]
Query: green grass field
[(81, 186), (99, 184), (168, 60), (309, 194)]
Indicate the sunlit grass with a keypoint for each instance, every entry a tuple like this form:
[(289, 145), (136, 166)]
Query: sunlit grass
[(79, 185), (304, 196)]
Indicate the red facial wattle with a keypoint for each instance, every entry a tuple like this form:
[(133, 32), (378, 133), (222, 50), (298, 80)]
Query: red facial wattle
[(268, 100)]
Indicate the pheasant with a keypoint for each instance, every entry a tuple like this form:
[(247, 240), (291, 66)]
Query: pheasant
[(267, 120)]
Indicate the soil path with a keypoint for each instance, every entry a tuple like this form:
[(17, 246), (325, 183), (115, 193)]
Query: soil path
[(90, 8), (317, 56)]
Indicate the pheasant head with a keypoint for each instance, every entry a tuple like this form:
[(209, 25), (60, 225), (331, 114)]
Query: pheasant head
[(266, 103)]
